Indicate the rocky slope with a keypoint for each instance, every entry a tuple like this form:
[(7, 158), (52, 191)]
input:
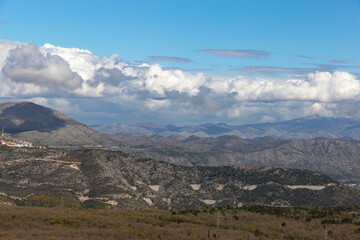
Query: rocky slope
[(98, 178), (339, 159)]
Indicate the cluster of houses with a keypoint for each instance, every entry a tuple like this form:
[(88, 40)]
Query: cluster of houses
[(19, 143), (9, 141)]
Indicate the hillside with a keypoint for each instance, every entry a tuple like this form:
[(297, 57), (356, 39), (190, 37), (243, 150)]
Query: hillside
[(44, 126), (339, 159), (98, 178)]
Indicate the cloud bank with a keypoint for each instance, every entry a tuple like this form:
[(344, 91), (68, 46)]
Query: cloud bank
[(81, 84)]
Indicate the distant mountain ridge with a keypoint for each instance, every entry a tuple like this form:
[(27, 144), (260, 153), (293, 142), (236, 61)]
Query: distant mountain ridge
[(337, 158), (309, 127)]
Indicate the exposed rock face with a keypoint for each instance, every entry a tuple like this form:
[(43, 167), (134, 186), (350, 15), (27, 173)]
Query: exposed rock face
[(104, 178)]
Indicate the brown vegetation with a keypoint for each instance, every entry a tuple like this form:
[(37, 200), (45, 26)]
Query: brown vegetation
[(244, 223)]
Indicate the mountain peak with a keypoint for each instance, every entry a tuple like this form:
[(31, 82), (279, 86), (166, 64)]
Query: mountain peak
[(314, 117), (28, 116), (222, 124), (44, 126)]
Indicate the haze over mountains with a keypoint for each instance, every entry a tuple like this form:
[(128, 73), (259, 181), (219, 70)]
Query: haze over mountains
[(302, 128)]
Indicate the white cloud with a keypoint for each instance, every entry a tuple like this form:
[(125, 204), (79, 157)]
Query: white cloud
[(158, 80), (38, 72), (81, 61), (319, 86), (5, 47), (25, 64), (156, 104)]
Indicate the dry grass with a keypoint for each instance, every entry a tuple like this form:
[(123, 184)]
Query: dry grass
[(252, 223)]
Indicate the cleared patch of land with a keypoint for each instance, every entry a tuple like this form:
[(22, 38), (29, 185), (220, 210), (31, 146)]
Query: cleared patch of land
[(254, 222)]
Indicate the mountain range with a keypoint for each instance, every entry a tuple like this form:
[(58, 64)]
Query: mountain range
[(302, 128), (339, 159), (222, 158)]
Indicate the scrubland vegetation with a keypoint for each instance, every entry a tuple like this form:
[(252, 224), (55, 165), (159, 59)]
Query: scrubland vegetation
[(244, 223)]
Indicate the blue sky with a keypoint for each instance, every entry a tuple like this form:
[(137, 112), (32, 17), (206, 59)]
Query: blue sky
[(265, 39), (325, 30)]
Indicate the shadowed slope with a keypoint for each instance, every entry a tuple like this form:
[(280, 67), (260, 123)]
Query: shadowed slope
[(44, 126), (26, 116)]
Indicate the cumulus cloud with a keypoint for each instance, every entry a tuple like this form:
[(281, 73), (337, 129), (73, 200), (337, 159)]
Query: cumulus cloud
[(113, 76), (157, 80), (26, 64), (319, 86), (236, 53), (82, 61), (169, 59), (5, 47), (149, 91)]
